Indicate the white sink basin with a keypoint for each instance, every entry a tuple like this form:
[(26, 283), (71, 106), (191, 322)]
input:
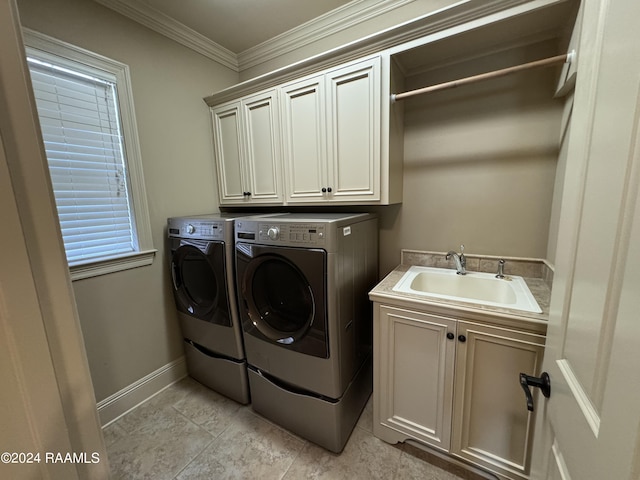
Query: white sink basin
[(474, 287)]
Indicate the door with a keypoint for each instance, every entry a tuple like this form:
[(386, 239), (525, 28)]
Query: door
[(262, 147), (282, 296), (304, 137), (413, 375), (589, 427), (227, 144), (199, 280), (492, 426), (353, 99), (48, 402)]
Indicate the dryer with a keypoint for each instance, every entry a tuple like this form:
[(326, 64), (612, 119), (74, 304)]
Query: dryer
[(203, 284), (303, 283)]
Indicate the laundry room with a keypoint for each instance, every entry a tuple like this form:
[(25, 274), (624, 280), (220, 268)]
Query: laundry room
[(477, 171)]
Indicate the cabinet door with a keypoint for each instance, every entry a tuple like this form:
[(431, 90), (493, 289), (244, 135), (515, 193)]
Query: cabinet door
[(492, 426), (262, 148), (304, 139), (353, 95), (227, 144), (413, 376)]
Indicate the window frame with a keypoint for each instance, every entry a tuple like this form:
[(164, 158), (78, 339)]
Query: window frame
[(65, 52)]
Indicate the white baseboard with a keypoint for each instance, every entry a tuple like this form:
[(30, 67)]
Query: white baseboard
[(115, 406)]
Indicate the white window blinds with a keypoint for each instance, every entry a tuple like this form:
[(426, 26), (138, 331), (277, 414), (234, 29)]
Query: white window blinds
[(84, 147)]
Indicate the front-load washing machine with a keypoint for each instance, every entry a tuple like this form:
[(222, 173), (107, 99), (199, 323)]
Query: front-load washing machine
[(203, 283), (302, 282)]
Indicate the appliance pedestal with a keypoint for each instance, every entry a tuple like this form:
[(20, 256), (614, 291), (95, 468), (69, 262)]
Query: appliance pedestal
[(326, 422), (224, 375)]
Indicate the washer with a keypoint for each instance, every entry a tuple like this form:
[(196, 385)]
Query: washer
[(203, 284), (302, 283)]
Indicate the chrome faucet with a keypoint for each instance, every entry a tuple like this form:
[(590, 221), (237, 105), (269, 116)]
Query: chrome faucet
[(500, 273), (461, 261)]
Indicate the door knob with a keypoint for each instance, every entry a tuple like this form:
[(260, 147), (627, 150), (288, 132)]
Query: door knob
[(543, 382)]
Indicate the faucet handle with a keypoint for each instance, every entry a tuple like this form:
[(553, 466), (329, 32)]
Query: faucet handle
[(461, 249)]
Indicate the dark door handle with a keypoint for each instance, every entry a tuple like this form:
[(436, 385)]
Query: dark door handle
[(543, 382)]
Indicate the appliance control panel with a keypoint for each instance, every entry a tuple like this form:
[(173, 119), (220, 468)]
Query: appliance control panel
[(206, 230), (283, 233)]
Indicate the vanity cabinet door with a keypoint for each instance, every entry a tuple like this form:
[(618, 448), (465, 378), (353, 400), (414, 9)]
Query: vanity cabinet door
[(492, 426), (413, 376)]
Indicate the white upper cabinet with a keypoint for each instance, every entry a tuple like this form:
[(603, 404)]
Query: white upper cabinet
[(246, 136), (331, 133), (330, 137)]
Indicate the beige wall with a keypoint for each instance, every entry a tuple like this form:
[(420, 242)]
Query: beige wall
[(480, 160), (128, 318)]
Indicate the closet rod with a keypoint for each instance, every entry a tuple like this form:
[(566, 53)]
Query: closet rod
[(567, 57)]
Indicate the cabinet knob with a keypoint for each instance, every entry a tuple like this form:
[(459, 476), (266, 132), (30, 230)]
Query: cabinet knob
[(324, 190), (462, 338), (543, 382), (450, 336), (329, 189)]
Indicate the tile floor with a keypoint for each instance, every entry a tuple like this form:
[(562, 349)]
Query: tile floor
[(190, 432)]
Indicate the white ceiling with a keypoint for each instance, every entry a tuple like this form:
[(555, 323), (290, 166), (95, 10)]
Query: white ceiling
[(241, 24)]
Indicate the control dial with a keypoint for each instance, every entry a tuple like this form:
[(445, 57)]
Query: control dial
[(273, 233), (191, 229)]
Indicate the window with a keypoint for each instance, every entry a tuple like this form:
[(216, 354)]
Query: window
[(88, 127)]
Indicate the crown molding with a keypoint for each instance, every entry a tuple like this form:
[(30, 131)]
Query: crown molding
[(335, 21), (433, 26), (167, 26), (341, 18)]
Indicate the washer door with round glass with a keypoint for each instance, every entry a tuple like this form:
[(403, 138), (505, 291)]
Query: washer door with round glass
[(282, 292), (199, 280)]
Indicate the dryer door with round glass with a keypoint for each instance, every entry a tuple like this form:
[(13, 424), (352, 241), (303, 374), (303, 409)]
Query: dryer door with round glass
[(283, 296), (199, 280)]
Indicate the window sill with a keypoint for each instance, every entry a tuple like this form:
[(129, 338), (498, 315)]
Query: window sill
[(111, 265)]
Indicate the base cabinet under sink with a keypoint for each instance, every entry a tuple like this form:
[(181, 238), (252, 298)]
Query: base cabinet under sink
[(453, 385)]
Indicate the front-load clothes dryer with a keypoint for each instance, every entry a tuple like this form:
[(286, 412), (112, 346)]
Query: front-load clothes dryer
[(303, 283), (203, 283)]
